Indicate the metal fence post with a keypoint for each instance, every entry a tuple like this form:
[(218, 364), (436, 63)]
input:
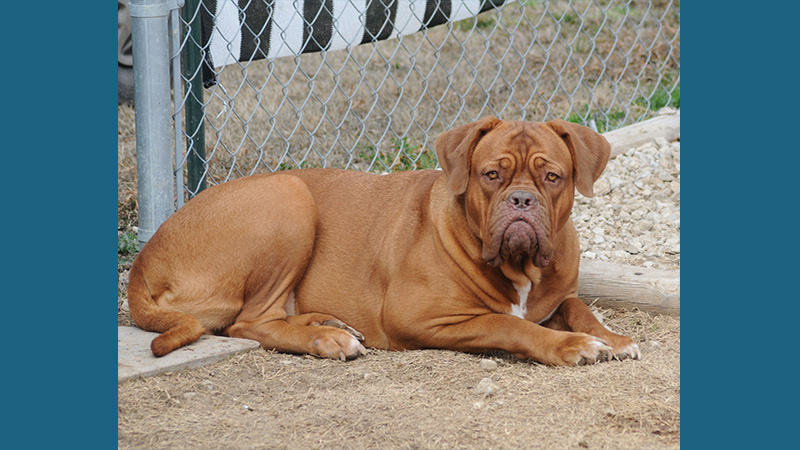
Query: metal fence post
[(153, 114), (195, 130)]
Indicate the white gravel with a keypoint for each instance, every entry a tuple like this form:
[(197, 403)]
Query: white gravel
[(635, 216)]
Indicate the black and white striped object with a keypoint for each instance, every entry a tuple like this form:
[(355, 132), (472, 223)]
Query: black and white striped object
[(246, 30)]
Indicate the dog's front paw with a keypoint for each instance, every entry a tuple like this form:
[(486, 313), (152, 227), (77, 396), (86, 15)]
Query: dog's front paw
[(339, 324), (622, 346), (336, 343), (628, 351), (579, 349)]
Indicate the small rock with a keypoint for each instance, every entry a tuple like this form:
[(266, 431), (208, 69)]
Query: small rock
[(615, 182), (620, 255), (633, 246), (487, 387), (661, 142), (189, 395), (643, 174), (642, 226), (488, 364), (663, 175), (602, 187), (654, 216)]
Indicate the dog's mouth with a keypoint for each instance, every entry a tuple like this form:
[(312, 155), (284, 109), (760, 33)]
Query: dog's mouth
[(515, 236)]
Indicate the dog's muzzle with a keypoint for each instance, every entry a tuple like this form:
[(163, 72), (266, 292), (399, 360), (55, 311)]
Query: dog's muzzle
[(520, 229)]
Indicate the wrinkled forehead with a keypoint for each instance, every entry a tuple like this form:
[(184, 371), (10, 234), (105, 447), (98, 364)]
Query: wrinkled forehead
[(521, 141)]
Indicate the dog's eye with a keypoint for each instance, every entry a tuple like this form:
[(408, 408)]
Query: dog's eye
[(492, 174), (551, 176)]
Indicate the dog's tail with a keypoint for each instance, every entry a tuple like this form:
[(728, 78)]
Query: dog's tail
[(177, 329)]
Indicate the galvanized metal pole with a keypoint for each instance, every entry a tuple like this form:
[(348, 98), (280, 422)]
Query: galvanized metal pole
[(153, 114), (177, 119), (195, 129)]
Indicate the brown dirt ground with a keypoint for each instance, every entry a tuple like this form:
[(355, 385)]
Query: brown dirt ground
[(425, 399)]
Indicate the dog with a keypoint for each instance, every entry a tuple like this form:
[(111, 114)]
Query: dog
[(479, 256)]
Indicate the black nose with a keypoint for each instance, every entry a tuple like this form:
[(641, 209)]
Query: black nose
[(522, 200)]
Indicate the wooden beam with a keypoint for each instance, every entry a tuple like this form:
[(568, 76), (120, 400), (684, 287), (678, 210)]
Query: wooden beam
[(666, 125), (621, 286)]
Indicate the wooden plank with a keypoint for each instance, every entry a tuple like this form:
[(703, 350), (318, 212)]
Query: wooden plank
[(621, 286), (666, 125)]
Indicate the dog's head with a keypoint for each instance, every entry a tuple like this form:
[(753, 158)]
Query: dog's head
[(518, 179)]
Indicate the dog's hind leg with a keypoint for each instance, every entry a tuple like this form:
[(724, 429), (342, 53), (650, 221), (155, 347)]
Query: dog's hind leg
[(177, 328), (283, 254), (229, 260), (325, 341), (317, 319), (264, 319)]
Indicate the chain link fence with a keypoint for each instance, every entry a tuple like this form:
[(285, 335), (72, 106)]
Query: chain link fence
[(279, 101)]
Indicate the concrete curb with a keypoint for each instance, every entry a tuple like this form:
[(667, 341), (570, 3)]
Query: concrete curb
[(134, 358)]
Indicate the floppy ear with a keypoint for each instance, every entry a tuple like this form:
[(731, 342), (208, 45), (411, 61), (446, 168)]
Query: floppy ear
[(454, 149), (590, 153)]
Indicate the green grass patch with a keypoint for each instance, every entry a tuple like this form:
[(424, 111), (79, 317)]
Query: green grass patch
[(127, 247), (661, 97), (482, 21), (569, 18), (604, 120), (302, 165), (403, 156)]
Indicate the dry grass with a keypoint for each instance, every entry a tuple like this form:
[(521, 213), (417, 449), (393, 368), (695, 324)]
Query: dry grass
[(126, 169)]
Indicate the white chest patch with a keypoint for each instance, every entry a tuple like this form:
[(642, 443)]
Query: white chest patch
[(521, 308)]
